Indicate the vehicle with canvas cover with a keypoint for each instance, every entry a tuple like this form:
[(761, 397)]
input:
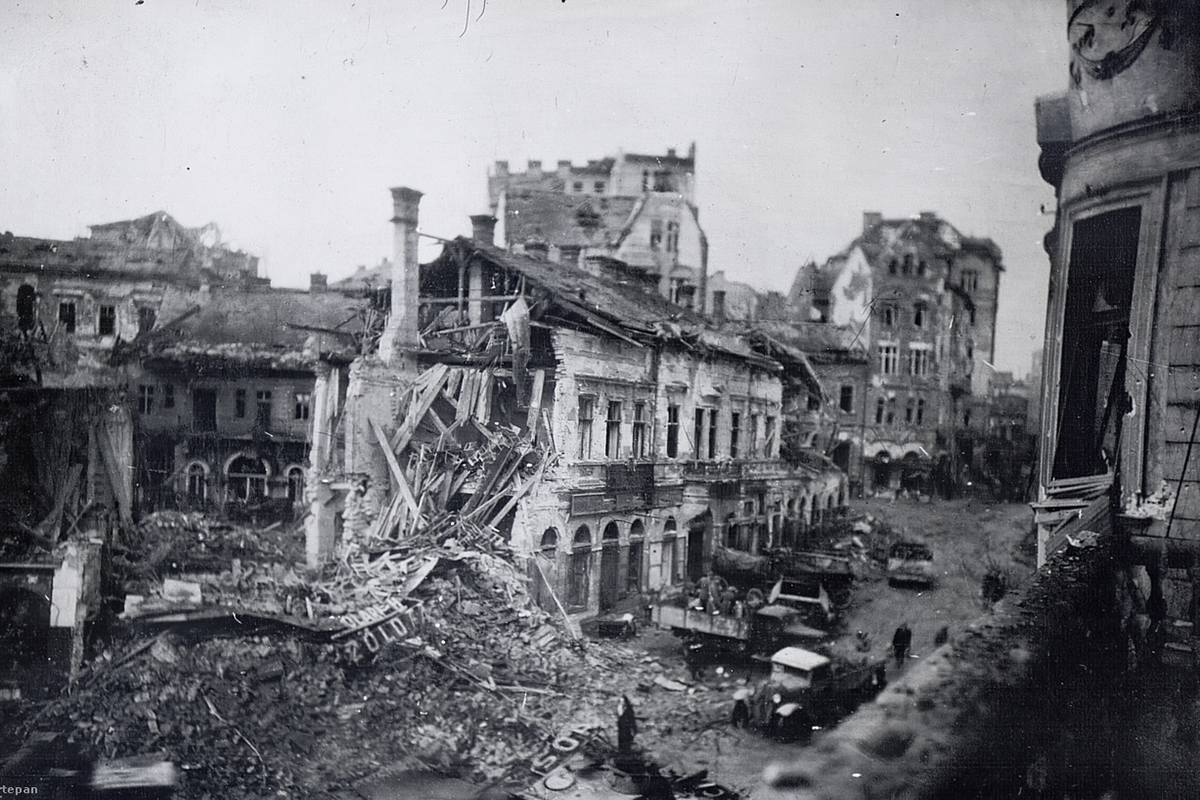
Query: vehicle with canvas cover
[(910, 563), (806, 689)]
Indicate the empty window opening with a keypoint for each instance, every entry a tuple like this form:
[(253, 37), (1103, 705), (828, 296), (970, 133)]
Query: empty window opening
[(1091, 399)]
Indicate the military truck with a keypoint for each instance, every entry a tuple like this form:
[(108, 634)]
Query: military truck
[(807, 689), (755, 631), (910, 563)]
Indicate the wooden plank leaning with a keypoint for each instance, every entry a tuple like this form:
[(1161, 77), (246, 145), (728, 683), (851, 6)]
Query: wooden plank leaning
[(394, 466)]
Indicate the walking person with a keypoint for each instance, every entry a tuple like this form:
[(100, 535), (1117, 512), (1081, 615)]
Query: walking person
[(626, 726), (901, 642)]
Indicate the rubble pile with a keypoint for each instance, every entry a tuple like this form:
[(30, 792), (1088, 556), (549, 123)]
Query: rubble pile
[(176, 541)]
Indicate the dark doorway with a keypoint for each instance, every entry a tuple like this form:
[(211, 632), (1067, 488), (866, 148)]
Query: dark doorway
[(204, 410), (1095, 335), (610, 559), (698, 529)]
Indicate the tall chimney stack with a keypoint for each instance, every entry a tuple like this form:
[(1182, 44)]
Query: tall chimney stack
[(399, 342), (483, 229)]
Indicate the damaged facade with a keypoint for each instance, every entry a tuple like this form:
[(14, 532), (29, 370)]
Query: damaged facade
[(630, 217), (622, 436), (923, 298), (1121, 373), (125, 356)]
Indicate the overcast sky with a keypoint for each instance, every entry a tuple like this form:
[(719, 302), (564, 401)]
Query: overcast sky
[(285, 122)]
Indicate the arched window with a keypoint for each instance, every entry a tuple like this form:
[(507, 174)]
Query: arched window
[(26, 307), (549, 541), (295, 479), (611, 531), (197, 484), (580, 577), (247, 478), (919, 315), (908, 264)]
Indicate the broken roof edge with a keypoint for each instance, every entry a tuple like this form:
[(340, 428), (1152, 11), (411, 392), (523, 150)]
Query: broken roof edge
[(650, 318)]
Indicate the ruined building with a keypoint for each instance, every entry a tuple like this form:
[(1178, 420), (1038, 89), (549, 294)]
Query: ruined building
[(614, 437), (144, 366), (1121, 371), (922, 297), (631, 217)]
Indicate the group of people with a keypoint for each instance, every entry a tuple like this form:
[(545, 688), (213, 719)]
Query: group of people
[(715, 595)]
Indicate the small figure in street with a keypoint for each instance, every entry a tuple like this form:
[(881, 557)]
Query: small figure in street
[(942, 636), (626, 726), (741, 709), (901, 642)]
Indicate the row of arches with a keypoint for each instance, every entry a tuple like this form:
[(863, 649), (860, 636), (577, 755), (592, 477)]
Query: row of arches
[(243, 478), (625, 559)]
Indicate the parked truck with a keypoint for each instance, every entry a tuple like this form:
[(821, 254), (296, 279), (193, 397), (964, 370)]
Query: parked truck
[(910, 563), (831, 570), (807, 689), (755, 631)]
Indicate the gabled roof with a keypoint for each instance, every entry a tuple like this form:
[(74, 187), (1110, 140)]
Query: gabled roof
[(268, 328), (567, 293)]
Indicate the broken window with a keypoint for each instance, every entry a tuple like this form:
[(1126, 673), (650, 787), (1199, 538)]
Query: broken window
[(718, 306), (586, 410), (599, 187), (672, 237), (769, 438), (920, 411), (295, 489), (168, 395), (919, 361), (106, 324), (146, 319), (26, 307), (247, 479), (145, 399), (918, 315), (303, 405), (910, 409), (880, 406), (262, 411), (197, 485), (239, 403), (712, 433), (889, 359), (672, 431), (846, 401), (639, 430), (204, 410), (1091, 395), (735, 432), (754, 453), (66, 315), (969, 280), (698, 433), (612, 430), (889, 316), (890, 418)]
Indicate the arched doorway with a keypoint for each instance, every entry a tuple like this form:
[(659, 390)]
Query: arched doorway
[(881, 472), (699, 528), (581, 556), (610, 562), (247, 479), (197, 485), (637, 537)]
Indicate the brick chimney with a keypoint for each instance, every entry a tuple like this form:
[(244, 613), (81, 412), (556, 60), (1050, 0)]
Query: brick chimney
[(483, 229), (871, 219), (399, 341)]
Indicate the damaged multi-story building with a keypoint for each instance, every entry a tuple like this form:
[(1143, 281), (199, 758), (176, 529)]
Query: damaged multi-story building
[(631, 217), (145, 366), (644, 435), (923, 298)]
